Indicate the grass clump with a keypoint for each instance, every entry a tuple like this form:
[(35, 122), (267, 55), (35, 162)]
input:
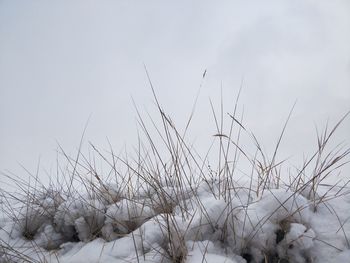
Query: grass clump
[(170, 205)]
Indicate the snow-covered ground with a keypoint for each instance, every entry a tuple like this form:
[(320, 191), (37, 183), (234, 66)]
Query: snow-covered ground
[(177, 208), (162, 225)]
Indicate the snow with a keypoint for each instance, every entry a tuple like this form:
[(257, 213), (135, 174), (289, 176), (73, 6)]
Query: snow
[(123, 216), (207, 252), (277, 225), (81, 217)]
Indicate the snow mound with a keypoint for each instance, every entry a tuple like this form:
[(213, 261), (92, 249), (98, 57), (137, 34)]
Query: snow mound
[(80, 219), (278, 226), (124, 216)]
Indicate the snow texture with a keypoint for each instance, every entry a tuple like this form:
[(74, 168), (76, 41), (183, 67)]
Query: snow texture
[(278, 226)]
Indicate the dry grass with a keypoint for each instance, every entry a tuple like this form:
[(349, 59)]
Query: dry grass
[(163, 180)]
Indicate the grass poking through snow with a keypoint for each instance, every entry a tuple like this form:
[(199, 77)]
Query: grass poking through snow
[(166, 203)]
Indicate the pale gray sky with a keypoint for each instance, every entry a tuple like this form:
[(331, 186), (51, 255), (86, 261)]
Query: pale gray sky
[(61, 61)]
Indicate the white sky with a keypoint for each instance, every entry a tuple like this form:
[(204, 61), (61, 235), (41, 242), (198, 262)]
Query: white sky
[(61, 61)]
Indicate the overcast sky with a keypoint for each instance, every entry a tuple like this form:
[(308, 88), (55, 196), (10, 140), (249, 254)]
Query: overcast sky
[(62, 61)]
